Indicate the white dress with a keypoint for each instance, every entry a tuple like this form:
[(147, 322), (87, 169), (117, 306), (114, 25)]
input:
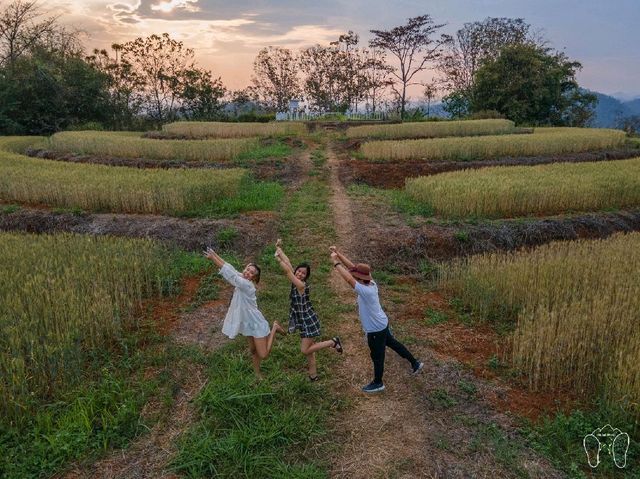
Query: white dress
[(243, 316)]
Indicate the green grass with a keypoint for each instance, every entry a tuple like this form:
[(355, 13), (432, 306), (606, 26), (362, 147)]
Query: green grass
[(275, 427), (104, 410), (435, 317), (252, 195), (560, 439), (258, 154)]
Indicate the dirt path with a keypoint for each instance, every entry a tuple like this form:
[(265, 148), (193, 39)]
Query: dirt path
[(148, 457), (434, 425)]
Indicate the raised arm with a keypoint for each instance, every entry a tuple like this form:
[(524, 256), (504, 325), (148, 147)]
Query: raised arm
[(342, 258), (228, 272), (285, 264), (213, 256), (342, 270)]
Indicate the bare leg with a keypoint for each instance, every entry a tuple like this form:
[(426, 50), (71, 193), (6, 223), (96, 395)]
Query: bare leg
[(309, 346), (264, 345), (254, 356)]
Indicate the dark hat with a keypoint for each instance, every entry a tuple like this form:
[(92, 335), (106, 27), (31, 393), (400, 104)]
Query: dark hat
[(361, 271)]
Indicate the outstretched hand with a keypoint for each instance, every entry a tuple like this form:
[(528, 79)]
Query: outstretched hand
[(210, 254), (334, 257), (333, 249)]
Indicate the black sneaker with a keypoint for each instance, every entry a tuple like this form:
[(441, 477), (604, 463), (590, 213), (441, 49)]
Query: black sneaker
[(373, 387), (417, 367)]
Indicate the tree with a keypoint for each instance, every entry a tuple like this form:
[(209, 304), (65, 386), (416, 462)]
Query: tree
[(201, 95), (44, 92), (414, 47), (324, 85), (531, 85), (473, 45), (375, 71), (429, 93), (630, 124), (160, 65), (275, 77)]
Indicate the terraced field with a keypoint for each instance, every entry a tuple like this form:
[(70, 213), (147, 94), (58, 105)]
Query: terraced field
[(113, 364)]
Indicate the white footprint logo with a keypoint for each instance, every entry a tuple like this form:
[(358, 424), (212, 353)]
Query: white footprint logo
[(608, 441)]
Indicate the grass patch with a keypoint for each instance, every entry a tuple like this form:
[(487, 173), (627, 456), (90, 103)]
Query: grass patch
[(434, 317), (252, 195), (560, 438), (277, 149), (442, 399), (103, 408), (8, 209), (275, 427)]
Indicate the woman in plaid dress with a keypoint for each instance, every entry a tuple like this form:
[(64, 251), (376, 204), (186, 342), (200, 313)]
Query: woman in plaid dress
[(302, 317)]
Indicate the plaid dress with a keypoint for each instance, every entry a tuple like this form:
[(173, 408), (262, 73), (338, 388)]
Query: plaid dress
[(301, 315)]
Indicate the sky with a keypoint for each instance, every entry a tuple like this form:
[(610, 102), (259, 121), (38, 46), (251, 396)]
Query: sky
[(227, 35)]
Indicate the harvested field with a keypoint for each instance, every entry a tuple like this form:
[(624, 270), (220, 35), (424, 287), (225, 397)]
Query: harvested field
[(245, 235), (432, 129), (511, 191), (393, 174), (543, 142), (217, 129), (129, 146)]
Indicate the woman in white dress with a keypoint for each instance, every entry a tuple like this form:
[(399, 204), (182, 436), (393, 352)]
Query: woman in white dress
[(243, 316)]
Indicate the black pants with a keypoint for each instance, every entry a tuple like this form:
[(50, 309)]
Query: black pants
[(378, 342)]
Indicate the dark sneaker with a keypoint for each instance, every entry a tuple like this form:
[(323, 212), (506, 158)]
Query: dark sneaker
[(417, 367), (373, 387)]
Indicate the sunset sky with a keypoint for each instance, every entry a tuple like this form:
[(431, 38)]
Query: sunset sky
[(226, 36)]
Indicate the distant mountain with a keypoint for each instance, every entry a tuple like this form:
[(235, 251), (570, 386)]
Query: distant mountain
[(633, 106), (625, 96), (608, 110)]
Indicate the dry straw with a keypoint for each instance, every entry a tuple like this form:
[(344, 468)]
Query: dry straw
[(133, 146), (576, 307), (543, 142), (103, 188), (501, 192), (66, 295), (433, 129), (217, 129)]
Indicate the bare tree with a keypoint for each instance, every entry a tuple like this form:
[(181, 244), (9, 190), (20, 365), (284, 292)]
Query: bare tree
[(414, 47), (376, 72), (429, 92), (24, 27), (275, 77)]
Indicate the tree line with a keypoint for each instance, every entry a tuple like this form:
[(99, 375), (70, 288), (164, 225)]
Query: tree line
[(493, 67)]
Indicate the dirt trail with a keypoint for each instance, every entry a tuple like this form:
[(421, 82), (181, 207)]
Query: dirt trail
[(421, 426), (148, 457)]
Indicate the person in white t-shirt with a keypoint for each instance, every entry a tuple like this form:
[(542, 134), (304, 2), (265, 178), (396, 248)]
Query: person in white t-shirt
[(373, 318), (243, 316)]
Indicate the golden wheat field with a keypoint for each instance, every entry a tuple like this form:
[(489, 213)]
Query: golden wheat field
[(103, 188), (509, 191), (432, 129), (575, 305), (129, 146), (219, 129), (543, 142), (66, 295)]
